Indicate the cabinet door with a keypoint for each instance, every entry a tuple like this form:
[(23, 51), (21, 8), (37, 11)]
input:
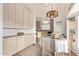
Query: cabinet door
[(29, 39), (26, 40), (19, 16), (20, 43), (26, 18), (9, 15), (31, 19), (32, 38), (9, 46)]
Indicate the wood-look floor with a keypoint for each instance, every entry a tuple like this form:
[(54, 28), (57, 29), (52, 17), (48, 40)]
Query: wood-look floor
[(32, 50), (36, 50)]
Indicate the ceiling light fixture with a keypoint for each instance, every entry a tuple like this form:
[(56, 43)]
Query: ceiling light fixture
[(46, 4), (52, 13)]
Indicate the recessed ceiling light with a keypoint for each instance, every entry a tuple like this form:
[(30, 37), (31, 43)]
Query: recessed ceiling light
[(45, 21), (46, 4), (48, 18)]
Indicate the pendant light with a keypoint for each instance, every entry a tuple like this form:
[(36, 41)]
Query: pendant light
[(52, 13)]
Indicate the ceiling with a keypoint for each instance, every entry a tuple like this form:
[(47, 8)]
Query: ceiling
[(41, 9)]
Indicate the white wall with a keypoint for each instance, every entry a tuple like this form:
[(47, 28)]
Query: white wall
[(75, 12), (1, 30), (60, 27), (62, 14), (75, 48)]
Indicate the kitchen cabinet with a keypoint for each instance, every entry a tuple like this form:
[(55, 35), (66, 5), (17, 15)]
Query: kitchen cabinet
[(47, 44), (29, 39), (9, 15), (32, 38), (28, 18), (26, 40), (19, 16), (20, 43), (9, 46), (24, 17), (31, 19), (13, 45)]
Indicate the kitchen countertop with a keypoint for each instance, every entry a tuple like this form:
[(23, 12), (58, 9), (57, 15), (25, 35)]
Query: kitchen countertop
[(17, 35)]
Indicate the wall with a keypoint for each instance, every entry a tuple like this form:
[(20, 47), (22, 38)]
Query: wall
[(59, 26), (62, 14), (75, 49), (1, 30), (75, 12)]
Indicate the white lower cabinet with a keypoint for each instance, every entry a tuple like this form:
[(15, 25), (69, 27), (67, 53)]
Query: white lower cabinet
[(9, 46), (20, 43), (15, 44), (32, 38), (26, 40), (29, 39)]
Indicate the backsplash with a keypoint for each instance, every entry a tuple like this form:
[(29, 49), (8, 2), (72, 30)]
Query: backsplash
[(9, 32)]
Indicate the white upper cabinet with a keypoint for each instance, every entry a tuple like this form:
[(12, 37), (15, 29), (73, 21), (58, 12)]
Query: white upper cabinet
[(19, 16), (26, 18), (31, 19), (9, 15)]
